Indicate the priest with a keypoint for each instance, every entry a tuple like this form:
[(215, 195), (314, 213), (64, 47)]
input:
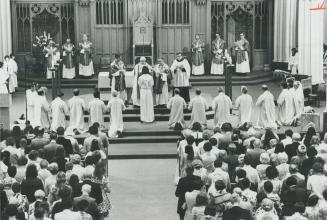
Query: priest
[(242, 48), (221, 106), (118, 82), (59, 112), (244, 105), (266, 104), (146, 83), (218, 49), (52, 55), (96, 108), (181, 76), (76, 107), (176, 104), (68, 70), (161, 70), (286, 105), (116, 107), (86, 69), (137, 73), (198, 105), (197, 56)]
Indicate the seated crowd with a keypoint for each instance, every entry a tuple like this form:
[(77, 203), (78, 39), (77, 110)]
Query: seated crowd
[(242, 173), (51, 176)]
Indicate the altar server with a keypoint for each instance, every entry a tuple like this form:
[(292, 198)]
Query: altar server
[(59, 111), (244, 105), (162, 71), (76, 107), (96, 108), (116, 107), (68, 71), (242, 48), (286, 105), (137, 73), (298, 99), (176, 104), (118, 82), (221, 106), (266, 104), (146, 83)]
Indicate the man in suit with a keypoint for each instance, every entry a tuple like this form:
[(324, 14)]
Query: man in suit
[(64, 142), (292, 148), (51, 148), (236, 212), (185, 184), (39, 141), (92, 208)]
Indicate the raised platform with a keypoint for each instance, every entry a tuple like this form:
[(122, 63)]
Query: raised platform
[(256, 77)]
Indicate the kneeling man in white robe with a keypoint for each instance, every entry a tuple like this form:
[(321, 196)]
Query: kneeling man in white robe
[(176, 105), (266, 104), (97, 108), (116, 107), (286, 105), (146, 83), (76, 107), (59, 111), (221, 106), (198, 105), (244, 105)]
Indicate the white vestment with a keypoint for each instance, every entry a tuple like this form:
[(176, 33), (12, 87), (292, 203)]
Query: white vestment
[(286, 106), (41, 112), (12, 71), (267, 115), (244, 104), (298, 101), (76, 107), (30, 99), (96, 109), (162, 99), (137, 73), (198, 105), (181, 78), (116, 107), (146, 98), (221, 106), (176, 105), (59, 111), (293, 64), (3, 80)]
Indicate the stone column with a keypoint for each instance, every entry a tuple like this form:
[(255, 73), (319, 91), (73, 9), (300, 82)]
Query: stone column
[(5, 29), (285, 29)]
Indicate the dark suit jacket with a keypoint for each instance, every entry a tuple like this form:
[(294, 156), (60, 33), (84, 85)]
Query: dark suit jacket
[(96, 192), (50, 151), (184, 185), (237, 213), (38, 143), (66, 144), (290, 150), (92, 209)]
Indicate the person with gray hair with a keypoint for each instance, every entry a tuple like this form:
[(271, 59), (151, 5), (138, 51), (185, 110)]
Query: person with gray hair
[(221, 105), (244, 105), (116, 107), (92, 208), (236, 212)]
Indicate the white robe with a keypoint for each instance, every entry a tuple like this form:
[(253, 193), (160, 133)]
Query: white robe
[(198, 105), (298, 101), (116, 107), (41, 112), (293, 64), (12, 71), (221, 106), (176, 105), (30, 99), (3, 81), (267, 115), (162, 99), (244, 104), (96, 109), (59, 111), (146, 98), (181, 79), (286, 106), (76, 107), (137, 72)]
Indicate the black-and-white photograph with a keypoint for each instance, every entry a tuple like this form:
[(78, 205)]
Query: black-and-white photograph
[(163, 109)]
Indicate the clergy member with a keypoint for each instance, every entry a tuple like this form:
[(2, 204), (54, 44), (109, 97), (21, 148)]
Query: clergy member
[(197, 56), (242, 48), (116, 107), (3, 80), (266, 104), (181, 76), (96, 108), (146, 83), (41, 110), (244, 105), (118, 82), (137, 73), (298, 99), (293, 62), (85, 58), (68, 70), (31, 95), (286, 105), (59, 111), (198, 105), (161, 70), (217, 63), (52, 55), (221, 106), (176, 104), (76, 107)]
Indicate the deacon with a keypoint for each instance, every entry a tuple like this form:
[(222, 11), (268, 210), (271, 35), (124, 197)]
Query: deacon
[(96, 108), (137, 73), (3, 80), (286, 105), (41, 110), (31, 95), (242, 55), (198, 105), (197, 56), (146, 83), (181, 76), (85, 62), (76, 107), (116, 107), (176, 105), (68, 71), (244, 105), (52, 55), (221, 106), (266, 104), (59, 111), (217, 64), (118, 82), (162, 71)]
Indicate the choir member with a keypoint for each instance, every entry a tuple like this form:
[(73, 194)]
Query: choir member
[(293, 62), (218, 48), (52, 56), (197, 56), (85, 62), (137, 73), (198, 105), (162, 71), (244, 105), (146, 83), (266, 104), (96, 108), (221, 106), (176, 104), (116, 107), (3, 80), (118, 82), (59, 110), (68, 71), (76, 107), (242, 48), (286, 105)]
